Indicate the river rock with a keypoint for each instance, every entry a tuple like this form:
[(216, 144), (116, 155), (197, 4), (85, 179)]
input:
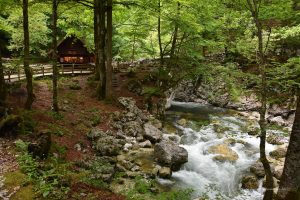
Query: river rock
[(107, 146), (258, 169), (145, 144), (170, 154), (274, 139), (278, 172), (278, 120), (132, 128), (250, 182), (156, 123), (278, 153), (152, 133), (225, 153), (105, 143), (165, 172), (182, 122)]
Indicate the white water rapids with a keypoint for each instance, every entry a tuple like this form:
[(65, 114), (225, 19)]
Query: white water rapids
[(207, 177)]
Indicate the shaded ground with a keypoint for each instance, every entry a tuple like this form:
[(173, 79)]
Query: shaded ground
[(80, 111)]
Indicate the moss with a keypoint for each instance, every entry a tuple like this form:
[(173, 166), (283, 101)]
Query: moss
[(24, 193), (13, 179)]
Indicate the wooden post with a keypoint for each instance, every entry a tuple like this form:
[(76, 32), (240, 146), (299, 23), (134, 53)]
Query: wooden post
[(43, 71), (81, 69), (73, 69), (9, 76), (19, 76), (62, 69)]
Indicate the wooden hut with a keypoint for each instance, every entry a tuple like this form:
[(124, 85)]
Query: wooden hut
[(72, 50)]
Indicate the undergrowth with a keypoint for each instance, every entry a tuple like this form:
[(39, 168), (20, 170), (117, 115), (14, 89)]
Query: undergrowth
[(49, 178)]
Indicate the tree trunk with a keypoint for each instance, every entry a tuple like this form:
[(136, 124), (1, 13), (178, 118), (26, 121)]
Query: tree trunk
[(3, 91), (54, 58), (254, 9), (262, 122), (159, 34), (174, 41), (133, 48), (289, 187), (101, 48), (96, 40), (28, 72), (109, 70)]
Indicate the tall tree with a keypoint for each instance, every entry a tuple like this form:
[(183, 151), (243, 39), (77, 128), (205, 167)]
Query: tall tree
[(28, 72), (100, 47), (161, 54), (54, 56), (254, 6), (175, 34), (2, 81), (289, 187), (109, 70)]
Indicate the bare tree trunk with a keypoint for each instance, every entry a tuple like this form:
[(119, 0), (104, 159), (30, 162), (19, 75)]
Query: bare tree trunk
[(54, 58), (133, 48), (3, 91), (159, 34), (28, 72), (109, 70), (174, 41), (254, 8), (96, 40), (289, 187), (101, 33)]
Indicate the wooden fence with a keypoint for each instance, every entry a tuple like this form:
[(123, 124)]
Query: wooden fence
[(17, 74)]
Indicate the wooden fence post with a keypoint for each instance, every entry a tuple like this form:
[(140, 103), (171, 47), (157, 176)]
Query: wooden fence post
[(43, 71), (73, 69), (19, 75), (9, 76), (62, 69)]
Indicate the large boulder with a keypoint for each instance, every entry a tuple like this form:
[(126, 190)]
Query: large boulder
[(152, 133), (105, 143), (278, 153), (224, 153), (170, 154), (250, 182)]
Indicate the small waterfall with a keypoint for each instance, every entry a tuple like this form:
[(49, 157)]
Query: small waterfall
[(202, 173)]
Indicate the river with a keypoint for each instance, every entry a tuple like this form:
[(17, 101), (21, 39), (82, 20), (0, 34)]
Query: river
[(207, 126)]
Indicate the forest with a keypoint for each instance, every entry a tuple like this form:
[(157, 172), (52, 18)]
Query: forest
[(150, 99)]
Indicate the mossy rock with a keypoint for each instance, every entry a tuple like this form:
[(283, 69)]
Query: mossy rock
[(24, 193), (250, 182), (11, 126)]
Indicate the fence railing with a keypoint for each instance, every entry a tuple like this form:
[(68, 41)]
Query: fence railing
[(17, 73)]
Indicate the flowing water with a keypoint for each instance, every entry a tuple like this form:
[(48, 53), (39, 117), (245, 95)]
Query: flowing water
[(207, 177)]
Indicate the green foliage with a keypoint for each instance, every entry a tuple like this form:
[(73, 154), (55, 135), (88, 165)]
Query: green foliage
[(50, 180), (75, 86)]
